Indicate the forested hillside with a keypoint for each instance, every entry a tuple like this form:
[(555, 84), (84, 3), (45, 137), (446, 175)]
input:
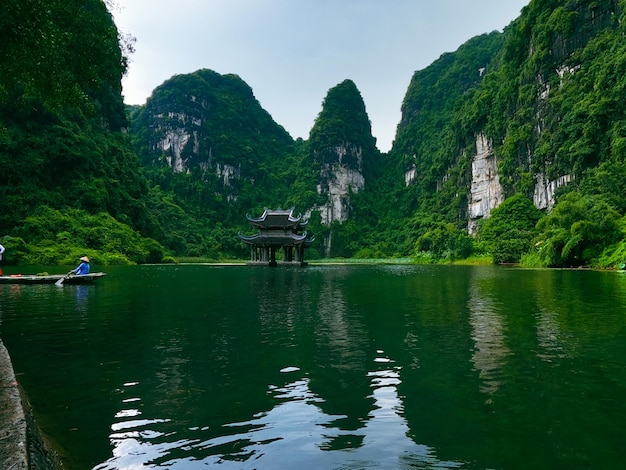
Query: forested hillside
[(421, 199), (69, 180), (209, 148), (512, 146), (537, 113)]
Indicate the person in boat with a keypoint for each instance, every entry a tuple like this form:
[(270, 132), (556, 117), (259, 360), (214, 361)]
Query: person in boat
[(82, 268)]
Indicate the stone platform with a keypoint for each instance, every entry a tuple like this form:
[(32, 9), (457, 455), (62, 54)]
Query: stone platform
[(13, 444)]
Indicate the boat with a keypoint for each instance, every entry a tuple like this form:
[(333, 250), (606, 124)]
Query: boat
[(50, 278)]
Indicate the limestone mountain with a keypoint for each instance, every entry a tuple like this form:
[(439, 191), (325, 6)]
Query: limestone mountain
[(343, 150), (211, 128), (207, 130), (536, 110), (507, 113), (426, 159), (216, 155), (551, 110)]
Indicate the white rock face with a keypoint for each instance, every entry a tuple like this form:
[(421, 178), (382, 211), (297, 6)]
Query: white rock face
[(486, 192), (176, 140), (543, 196), (341, 181), (410, 175), (228, 172), (338, 178), (180, 144)]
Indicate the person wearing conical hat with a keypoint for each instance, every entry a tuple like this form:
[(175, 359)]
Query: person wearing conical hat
[(82, 268)]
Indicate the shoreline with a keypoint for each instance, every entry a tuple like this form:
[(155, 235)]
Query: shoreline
[(21, 444), (13, 442)]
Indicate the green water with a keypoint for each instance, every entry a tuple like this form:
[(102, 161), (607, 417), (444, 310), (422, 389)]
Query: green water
[(330, 367)]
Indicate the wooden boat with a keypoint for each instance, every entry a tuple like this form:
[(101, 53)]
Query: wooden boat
[(50, 278)]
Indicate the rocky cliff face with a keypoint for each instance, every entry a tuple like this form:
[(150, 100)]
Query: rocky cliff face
[(485, 192), (338, 181), (561, 33), (529, 90), (178, 142), (410, 175), (544, 195), (427, 151)]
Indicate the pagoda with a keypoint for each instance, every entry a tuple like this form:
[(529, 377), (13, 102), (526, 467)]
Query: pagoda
[(277, 229)]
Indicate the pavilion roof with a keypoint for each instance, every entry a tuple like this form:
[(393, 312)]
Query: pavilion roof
[(277, 238), (275, 219)]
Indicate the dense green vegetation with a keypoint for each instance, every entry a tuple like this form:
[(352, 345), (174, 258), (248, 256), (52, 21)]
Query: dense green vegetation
[(82, 174), (576, 232), (551, 101), (61, 237), (233, 160), (343, 121), (508, 233), (61, 119)]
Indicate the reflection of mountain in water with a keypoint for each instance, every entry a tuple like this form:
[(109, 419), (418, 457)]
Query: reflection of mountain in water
[(340, 408), (488, 333)]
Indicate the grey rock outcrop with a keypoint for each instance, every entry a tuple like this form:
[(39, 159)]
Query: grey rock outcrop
[(486, 192)]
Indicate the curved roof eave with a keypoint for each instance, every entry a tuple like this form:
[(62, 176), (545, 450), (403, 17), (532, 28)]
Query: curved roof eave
[(276, 218), (273, 239)]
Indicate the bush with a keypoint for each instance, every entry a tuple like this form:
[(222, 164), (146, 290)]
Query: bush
[(15, 249), (577, 231), (511, 246), (61, 237), (614, 255), (444, 241), (510, 229)]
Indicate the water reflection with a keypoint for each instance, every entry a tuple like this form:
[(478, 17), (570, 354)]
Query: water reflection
[(294, 433), (332, 368), (549, 335), (173, 382), (488, 332), (343, 338), (81, 293)]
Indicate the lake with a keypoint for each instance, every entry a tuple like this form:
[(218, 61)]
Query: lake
[(325, 367)]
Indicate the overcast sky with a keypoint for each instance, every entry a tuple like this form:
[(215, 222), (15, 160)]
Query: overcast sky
[(291, 52)]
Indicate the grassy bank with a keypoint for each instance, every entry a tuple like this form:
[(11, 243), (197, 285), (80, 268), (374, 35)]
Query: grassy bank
[(472, 261)]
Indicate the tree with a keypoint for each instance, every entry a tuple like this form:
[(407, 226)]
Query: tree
[(443, 240), (510, 229)]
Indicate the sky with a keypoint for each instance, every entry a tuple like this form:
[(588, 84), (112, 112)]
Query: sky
[(292, 52)]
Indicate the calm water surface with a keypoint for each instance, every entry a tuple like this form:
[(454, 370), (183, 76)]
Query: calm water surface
[(332, 367)]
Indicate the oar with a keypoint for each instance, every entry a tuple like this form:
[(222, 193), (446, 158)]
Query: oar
[(60, 281)]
